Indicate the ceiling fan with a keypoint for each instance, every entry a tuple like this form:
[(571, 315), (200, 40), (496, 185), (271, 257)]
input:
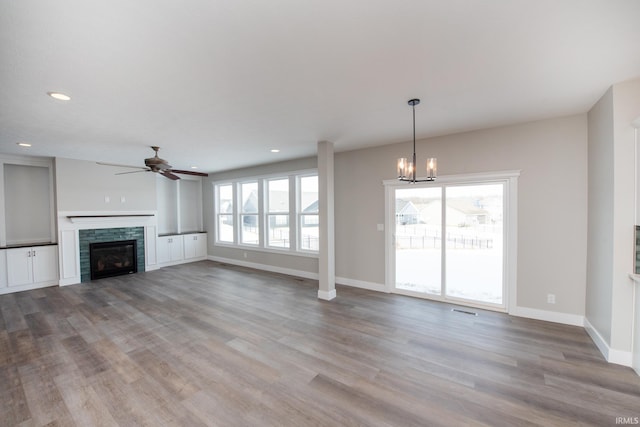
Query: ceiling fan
[(157, 165)]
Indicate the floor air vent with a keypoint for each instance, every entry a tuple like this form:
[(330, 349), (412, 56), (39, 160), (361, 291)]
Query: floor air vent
[(473, 313)]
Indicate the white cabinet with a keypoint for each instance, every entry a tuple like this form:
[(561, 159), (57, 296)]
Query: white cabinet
[(180, 248), (195, 246), (170, 249), (32, 265)]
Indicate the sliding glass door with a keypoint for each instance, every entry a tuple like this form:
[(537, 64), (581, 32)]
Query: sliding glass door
[(474, 250), (448, 241)]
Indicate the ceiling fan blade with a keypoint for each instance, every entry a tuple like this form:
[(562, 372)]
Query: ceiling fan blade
[(120, 166), (169, 175), (125, 173), (189, 172)]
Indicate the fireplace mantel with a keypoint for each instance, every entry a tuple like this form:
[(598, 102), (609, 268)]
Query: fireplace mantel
[(86, 219)]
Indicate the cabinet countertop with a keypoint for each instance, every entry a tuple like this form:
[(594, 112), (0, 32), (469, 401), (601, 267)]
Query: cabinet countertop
[(181, 234), (28, 245)]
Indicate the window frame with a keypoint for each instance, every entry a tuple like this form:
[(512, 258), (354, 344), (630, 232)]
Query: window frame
[(242, 213), (276, 213), (218, 214), (509, 179)]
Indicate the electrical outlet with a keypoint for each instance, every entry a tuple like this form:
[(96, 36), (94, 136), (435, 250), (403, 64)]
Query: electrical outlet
[(107, 199), (551, 299), (245, 254), (122, 199)]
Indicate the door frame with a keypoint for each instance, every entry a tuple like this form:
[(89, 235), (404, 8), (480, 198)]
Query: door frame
[(510, 180)]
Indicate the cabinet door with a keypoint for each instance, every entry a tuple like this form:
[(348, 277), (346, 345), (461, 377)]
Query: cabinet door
[(163, 253), (190, 241), (45, 263), (195, 246), (177, 248), (201, 245), (3, 269), (19, 266)]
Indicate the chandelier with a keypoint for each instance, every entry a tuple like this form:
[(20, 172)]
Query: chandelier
[(406, 169)]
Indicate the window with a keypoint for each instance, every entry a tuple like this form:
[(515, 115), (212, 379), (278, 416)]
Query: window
[(250, 230), (225, 213), (308, 213), (277, 213)]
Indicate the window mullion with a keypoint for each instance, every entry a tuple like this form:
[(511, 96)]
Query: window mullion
[(294, 208)]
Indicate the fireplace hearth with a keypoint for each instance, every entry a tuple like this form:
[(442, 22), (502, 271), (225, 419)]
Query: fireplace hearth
[(116, 258)]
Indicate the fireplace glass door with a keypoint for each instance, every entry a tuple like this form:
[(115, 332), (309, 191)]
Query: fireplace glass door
[(110, 259)]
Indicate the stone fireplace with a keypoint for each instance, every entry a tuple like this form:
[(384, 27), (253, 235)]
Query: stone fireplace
[(105, 238)]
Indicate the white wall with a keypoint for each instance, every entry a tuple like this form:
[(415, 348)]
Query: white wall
[(552, 196), (83, 185)]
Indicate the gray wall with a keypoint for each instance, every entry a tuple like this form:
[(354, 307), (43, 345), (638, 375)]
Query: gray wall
[(612, 214), (600, 224), (83, 185), (626, 108), (552, 203)]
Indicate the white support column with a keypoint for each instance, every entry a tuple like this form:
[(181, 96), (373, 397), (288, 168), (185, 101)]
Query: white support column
[(327, 260)]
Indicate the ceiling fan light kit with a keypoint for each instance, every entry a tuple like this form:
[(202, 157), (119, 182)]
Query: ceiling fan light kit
[(157, 165), (407, 169)]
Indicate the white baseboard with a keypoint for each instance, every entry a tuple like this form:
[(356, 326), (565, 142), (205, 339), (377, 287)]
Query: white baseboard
[(327, 296), (69, 281), (612, 355), (372, 286), (27, 287), (265, 267), (549, 316)]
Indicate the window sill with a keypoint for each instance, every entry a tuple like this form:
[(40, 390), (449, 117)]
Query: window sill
[(277, 251)]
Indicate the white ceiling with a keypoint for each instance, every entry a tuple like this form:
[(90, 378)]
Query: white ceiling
[(219, 83)]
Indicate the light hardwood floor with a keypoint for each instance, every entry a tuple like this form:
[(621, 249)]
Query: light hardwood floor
[(208, 344)]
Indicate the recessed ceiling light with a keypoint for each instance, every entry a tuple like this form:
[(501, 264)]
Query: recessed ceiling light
[(23, 144), (194, 167), (275, 150), (59, 96)]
